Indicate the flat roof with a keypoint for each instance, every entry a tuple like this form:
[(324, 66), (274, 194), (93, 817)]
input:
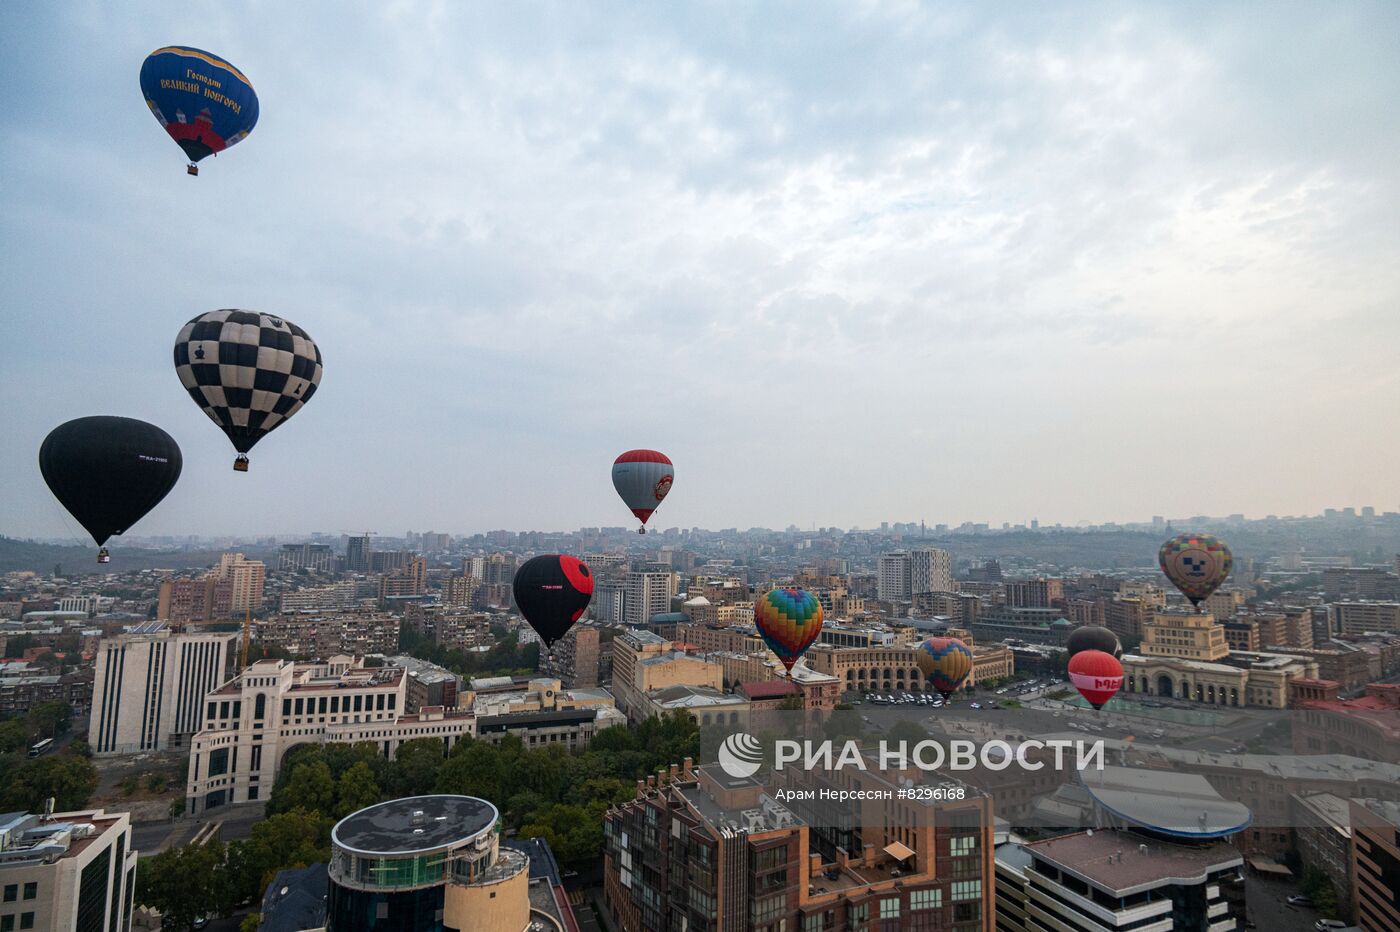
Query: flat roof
[(391, 828), (1114, 861)]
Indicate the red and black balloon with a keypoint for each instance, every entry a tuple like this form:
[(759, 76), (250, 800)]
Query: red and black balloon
[(552, 591)]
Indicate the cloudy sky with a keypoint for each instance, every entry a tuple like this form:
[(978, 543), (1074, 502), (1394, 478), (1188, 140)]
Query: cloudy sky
[(844, 264)]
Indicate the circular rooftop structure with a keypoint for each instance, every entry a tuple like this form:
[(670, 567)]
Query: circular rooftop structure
[(415, 825), (1178, 805)]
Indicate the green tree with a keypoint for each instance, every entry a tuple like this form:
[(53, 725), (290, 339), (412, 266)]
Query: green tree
[(70, 780), (311, 787), (355, 790), (179, 881), (50, 719), (475, 768), (414, 770)]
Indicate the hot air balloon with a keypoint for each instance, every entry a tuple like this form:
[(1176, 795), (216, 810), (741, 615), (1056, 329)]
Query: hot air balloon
[(1093, 637), (945, 662), (1196, 564), (109, 471), (642, 479), (204, 103), (551, 591), (248, 371), (1097, 676), (789, 621)]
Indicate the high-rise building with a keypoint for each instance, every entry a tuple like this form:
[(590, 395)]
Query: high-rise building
[(1375, 864), (182, 601), (357, 554), (574, 658), (930, 570), (648, 593), (69, 871), (409, 579), (459, 589), (247, 578), (294, 557), (1035, 593), (149, 686), (894, 583)]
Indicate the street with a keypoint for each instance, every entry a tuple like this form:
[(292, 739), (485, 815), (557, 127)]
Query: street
[(235, 823)]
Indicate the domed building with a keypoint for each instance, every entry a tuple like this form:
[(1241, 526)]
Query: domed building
[(431, 863)]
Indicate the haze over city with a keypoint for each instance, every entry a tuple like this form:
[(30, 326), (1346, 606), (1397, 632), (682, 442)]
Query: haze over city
[(844, 265)]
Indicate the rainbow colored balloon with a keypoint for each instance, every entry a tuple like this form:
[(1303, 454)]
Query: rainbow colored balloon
[(945, 662), (1196, 564), (789, 621)]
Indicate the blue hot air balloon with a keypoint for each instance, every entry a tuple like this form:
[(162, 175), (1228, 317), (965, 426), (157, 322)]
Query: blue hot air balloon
[(204, 103)]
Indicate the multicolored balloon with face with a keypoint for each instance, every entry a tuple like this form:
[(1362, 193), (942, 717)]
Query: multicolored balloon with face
[(789, 621), (1097, 675), (1196, 564), (945, 662)]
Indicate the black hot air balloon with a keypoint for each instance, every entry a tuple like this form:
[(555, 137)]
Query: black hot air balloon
[(109, 471), (551, 591), (1093, 637)]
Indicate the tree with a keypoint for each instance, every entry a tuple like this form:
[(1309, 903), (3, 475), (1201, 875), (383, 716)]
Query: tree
[(311, 787), (355, 790), (179, 881), (414, 770), (909, 732), (475, 768), (70, 780), (50, 719)]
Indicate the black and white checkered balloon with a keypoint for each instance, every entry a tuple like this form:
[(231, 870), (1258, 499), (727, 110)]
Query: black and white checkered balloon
[(248, 371)]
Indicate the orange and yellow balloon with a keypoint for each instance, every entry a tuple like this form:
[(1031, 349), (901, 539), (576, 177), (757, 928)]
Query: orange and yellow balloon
[(945, 662)]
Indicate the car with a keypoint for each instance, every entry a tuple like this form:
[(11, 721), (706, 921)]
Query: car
[(1300, 900), (201, 922), (977, 705), (1329, 925)]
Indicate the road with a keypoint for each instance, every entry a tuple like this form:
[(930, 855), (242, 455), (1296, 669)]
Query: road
[(1268, 908), (235, 823)]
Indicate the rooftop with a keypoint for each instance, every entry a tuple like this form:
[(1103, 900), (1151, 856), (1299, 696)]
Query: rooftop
[(1173, 803), (415, 824), (1117, 862)]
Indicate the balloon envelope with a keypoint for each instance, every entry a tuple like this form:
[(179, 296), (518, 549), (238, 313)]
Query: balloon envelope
[(1097, 676), (642, 479), (1196, 564), (249, 372), (1093, 637), (109, 471), (551, 591), (945, 662), (204, 103), (789, 621)]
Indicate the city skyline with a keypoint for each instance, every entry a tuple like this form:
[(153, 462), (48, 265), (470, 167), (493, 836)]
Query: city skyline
[(836, 265)]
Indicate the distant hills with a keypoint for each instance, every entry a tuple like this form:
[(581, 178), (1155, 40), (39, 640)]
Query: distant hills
[(20, 555)]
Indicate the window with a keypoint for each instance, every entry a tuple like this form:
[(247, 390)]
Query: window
[(889, 908), (260, 706), (286, 707), (31, 890), (11, 892), (26, 920), (7, 923), (926, 899), (962, 845), (967, 890)]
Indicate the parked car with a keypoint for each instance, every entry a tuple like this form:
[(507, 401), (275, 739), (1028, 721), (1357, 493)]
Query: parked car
[(1300, 900), (1329, 925)]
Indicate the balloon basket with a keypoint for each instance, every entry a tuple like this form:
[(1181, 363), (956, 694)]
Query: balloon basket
[(103, 556), (641, 530), (192, 169), (240, 464)]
